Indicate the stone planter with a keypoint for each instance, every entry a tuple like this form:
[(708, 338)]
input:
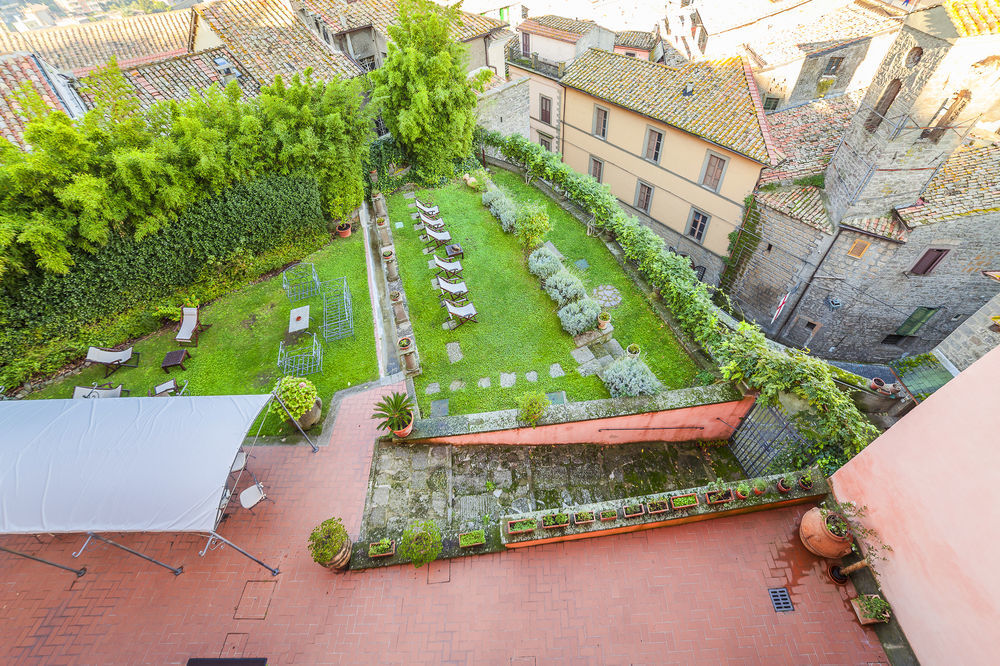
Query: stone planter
[(398, 309), (383, 232), (311, 418), (391, 272), (818, 539), (410, 361), (632, 351), (342, 558), (860, 612), (380, 208)]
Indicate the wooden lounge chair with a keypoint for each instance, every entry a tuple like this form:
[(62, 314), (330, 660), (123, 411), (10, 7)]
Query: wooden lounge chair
[(427, 209), (452, 291), (190, 327), (436, 239), (112, 360), (99, 391), (461, 313), (167, 389), (452, 269), (431, 223)]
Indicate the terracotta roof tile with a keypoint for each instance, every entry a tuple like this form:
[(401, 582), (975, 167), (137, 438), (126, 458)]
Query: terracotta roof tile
[(974, 17), (380, 14), (721, 108), (563, 23), (14, 71), (636, 39), (80, 48), (801, 203), (965, 185), (268, 39), (886, 226)]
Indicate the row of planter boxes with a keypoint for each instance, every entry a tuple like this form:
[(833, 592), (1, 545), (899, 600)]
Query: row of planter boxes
[(637, 512)]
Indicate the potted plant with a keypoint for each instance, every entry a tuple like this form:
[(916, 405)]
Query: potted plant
[(421, 543), (871, 609), (389, 259), (471, 539), (396, 412), (409, 357), (521, 525), (633, 510), (398, 309), (742, 490), (329, 544), (681, 502), (382, 226), (785, 484), (720, 496), (300, 398), (847, 519), (759, 487), (603, 319), (584, 517), (825, 533), (609, 514), (383, 548), (632, 350), (658, 506), (806, 481), (344, 229), (554, 520)]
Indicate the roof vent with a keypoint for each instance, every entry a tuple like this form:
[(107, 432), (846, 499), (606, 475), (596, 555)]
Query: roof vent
[(226, 69), (688, 89)]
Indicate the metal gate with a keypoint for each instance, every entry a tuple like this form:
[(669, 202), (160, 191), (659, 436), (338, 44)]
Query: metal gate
[(763, 434)]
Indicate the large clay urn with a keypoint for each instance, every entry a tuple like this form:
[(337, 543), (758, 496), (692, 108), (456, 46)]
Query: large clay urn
[(311, 418), (818, 539), (342, 557)]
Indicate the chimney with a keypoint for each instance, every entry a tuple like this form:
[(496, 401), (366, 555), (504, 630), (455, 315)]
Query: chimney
[(688, 89)]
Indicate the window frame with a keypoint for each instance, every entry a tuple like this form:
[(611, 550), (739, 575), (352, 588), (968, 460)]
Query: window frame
[(709, 154), (857, 241), (525, 44), (838, 61), (600, 163), (916, 321), (541, 109), (689, 227), (544, 138), (768, 98), (645, 144), (607, 121), (932, 263), (639, 184)]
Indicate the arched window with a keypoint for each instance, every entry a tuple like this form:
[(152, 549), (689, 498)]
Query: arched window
[(877, 115), (947, 119)]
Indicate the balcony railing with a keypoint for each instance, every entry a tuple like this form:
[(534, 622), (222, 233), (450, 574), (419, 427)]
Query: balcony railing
[(533, 62)]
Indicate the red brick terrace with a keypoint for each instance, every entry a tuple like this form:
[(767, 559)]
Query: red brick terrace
[(690, 594)]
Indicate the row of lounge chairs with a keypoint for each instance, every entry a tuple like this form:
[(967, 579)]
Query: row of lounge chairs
[(454, 293), (166, 389)]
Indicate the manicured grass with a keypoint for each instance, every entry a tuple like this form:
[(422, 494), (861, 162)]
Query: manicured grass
[(239, 353), (518, 330)]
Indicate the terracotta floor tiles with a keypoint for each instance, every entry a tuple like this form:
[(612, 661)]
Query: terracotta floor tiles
[(691, 594)]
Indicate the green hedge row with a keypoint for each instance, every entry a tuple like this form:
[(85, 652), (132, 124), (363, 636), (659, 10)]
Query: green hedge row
[(836, 429)]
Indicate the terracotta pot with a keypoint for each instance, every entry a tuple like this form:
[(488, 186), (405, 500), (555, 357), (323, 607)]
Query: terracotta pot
[(642, 510), (686, 506), (342, 558), (818, 539), (782, 488), (740, 496), (512, 531), (582, 522), (373, 175), (604, 520), (601, 324), (391, 272), (405, 431), (552, 527), (410, 361), (392, 550), (311, 418), (860, 612), (399, 312), (344, 230), (804, 486), (758, 493)]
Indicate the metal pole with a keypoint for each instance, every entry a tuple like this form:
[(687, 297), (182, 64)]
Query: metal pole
[(657, 428), (274, 571), (177, 572), (314, 447), (79, 572)]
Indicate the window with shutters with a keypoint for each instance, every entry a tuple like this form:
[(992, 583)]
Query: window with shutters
[(877, 115), (916, 321), (643, 196), (697, 225), (928, 262), (525, 44), (600, 122), (597, 169), (654, 143), (545, 109), (545, 141), (711, 173), (858, 249), (948, 118)]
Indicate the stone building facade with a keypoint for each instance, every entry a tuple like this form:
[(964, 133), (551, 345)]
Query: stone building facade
[(968, 343), (504, 107)]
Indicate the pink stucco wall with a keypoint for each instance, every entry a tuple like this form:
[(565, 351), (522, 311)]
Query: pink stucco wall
[(930, 484), (596, 431)]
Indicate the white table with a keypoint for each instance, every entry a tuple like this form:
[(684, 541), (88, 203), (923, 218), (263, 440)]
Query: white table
[(298, 319)]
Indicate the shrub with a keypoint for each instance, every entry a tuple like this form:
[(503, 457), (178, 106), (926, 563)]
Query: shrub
[(533, 407), (564, 287), (481, 180), (579, 316), (532, 225), (490, 195), (298, 394), (631, 377), (544, 263), (326, 540), (502, 207), (421, 543)]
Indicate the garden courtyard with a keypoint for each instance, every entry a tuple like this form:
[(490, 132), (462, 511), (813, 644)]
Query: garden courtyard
[(518, 345), (239, 353)]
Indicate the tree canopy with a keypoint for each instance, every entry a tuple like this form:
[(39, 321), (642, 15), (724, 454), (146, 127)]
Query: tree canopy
[(422, 90)]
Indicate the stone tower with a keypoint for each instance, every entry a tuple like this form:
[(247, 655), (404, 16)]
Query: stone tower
[(938, 80)]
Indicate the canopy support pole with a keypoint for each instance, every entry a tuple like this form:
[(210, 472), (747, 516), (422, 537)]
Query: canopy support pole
[(177, 572), (314, 447), (79, 572), (274, 571)]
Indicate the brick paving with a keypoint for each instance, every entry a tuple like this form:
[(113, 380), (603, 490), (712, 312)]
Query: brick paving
[(691, 594)]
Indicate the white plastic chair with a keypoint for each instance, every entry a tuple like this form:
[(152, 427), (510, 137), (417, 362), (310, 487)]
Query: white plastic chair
[(253, 495)]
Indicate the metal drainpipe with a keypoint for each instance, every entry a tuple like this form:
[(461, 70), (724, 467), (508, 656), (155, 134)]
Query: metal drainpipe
[(791, 313)]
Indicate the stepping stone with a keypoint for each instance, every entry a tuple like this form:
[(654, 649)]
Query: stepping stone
[(411, 205), (399, 225), (531, 376), (582, 355), (456, 385), (555, 370), (604, 362), (432, 388), (507, 379), (557, 397), (418, 227), (409, 195), (581, 264), (439, 407), (552, 248), (431, 264), (414, 216), (591, 367), (428, 250), (614, 348), (454, 352), (484, 382), (423, 238), (607, 295), (448, 325)]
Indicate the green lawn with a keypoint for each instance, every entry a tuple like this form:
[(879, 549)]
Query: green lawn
[(239, 353), (518, 330)]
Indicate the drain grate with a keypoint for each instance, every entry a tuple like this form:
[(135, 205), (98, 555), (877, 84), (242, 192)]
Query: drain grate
[(780, 600)]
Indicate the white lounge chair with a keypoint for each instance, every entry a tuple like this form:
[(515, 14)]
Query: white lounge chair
[(461, 313), (99, 391), (427, 209), (436, 239), (431, 223), (452, 290), (452, 269), (190, 327), (111, 359)]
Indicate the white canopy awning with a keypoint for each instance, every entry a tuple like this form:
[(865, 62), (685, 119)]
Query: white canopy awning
[(120, 465)]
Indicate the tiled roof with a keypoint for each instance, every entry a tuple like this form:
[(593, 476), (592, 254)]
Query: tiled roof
[(557, 27), (268, 39), (671, 56), (636, 39), (719, 17), (721, 108), (974, 17), (80, 48), (886, 226), (342, 16), (807, 134), (965, 185), (173, 78), (801, 203), (15, 70), (842, 25)]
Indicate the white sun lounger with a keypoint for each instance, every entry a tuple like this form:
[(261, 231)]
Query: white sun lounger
[(462, 313), (426, 209), (452, 269), (102, 391), (431, 223), (437, 238), (452, 290), (111, 359)]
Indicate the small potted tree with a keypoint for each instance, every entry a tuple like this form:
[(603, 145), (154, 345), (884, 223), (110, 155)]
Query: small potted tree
[(344, 229), (396, 412), (849, 515), (330, 546), (421, 543), (300, 398), (871, 609), (742, 490), (806, 481), (603, 319)]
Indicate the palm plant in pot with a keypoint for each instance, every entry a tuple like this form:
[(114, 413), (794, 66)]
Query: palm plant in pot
[(329, 544), (396, 414)]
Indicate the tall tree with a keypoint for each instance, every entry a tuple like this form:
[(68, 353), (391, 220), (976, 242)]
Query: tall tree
[(427, 102)]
